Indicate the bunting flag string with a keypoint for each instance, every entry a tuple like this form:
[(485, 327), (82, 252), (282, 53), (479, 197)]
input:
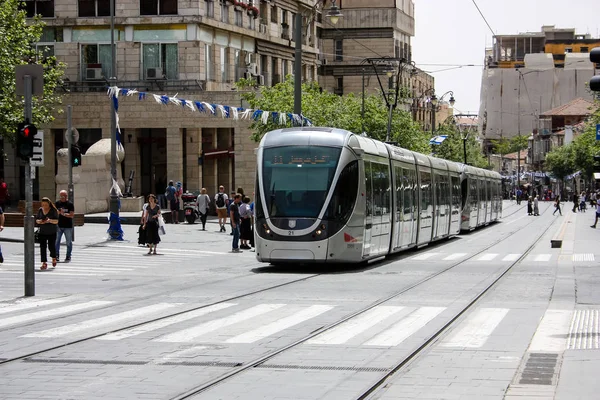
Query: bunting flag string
[(225, 111)]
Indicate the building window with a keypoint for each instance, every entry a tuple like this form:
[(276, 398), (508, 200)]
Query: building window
[(94, 8), (208, 63), (224, 11), (585, 49), (284, 17), (210, 8), (224, 64), (158, 7), (339, 52), (162, 56), (43, 8), (96, 56), (252, 23), (238, 17), (568, 49), (339, 89), (284, 65), (274, 13)]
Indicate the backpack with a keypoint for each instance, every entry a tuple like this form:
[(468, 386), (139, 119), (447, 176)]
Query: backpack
[(169, 194), (220, 200)]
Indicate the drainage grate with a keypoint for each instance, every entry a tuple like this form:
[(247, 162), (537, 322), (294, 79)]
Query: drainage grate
[(324, 368), (539, 369), (78, 361), (203, 364), (583, 257), (583, 334)]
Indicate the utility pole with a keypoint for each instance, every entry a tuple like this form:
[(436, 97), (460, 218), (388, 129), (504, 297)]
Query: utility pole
[(519, 132), (28, 220)]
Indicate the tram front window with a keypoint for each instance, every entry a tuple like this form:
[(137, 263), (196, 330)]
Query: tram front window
[(296, 179)]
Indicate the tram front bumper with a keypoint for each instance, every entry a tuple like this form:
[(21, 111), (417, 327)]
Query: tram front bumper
[(292, 252)]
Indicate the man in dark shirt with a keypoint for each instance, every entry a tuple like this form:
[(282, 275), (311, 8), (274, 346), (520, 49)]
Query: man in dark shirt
[(234, 216), (66, 212)]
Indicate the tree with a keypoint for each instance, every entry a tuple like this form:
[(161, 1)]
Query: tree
[(17, 47), (327, 109), (453, 147), (519, 143), (561, 161)]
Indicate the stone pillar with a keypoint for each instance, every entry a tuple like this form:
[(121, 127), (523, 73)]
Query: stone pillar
[(194, 171), (45, 175), (174, 152)]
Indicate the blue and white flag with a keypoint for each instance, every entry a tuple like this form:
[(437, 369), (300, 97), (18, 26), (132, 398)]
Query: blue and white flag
[(438, 139)]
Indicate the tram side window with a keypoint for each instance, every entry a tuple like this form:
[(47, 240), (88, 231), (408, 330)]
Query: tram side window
[(425, 191), (368, 189), (455, 192), (381, 188), (400, 180), (413, 190), (473, 193), (407, 195), (344, 196)]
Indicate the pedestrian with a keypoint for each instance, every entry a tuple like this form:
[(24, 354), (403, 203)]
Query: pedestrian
[(141, 230), (575, 202), (582, 204), (597, 216), (151, 216), (519, 195), (4, 195), (202, 203), (221, 201), (1, 229), (593, 199), (234, 216), (66, 213), (179, 198), (557, 206), (536, 209), (229, 203), (172, 200), (246, 223), (47, 219), (529, 206)]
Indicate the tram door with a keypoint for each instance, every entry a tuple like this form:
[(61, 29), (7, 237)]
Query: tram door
[(426, 207), (368, 239), (405, 218), (378, 213)]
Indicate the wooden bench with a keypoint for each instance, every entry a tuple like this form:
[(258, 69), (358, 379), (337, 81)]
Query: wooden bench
[(16, 219)]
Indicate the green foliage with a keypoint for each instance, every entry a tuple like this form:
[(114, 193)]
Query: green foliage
[(561, 161), (502, 146), (17, 47), (453, 147), (327, 109), (518, 143)]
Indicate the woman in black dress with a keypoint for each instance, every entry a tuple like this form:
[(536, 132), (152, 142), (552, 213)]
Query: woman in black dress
[(46, 219), (529, 206), (151, 216)]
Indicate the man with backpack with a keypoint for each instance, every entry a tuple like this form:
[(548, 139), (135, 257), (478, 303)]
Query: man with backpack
[(172, 200), (221, 201)]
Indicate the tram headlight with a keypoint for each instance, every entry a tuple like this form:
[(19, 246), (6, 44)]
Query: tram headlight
[(266, 228), (318, 232)]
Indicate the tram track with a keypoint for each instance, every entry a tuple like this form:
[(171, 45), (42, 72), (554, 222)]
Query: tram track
[(262, 359)]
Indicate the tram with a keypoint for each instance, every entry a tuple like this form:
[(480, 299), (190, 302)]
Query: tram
[(326, 195)]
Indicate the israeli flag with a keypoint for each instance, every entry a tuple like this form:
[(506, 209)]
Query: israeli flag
[(438, 139)]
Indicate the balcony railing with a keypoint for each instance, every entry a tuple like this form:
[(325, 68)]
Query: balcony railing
[(142, 86)]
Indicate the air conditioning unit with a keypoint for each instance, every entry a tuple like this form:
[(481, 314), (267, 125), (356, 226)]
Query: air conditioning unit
[(252, 68), (260, 79), (154, 73), (92, 74), (248, 75)]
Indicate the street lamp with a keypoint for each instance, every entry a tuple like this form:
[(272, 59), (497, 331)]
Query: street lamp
[(435, 107), (114, 198), (334, 15)]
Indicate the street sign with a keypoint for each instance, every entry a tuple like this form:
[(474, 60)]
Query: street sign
[(597, 131), (38, 150)]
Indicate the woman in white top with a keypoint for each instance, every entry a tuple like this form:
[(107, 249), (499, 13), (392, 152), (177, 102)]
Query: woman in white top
[(202, 203)]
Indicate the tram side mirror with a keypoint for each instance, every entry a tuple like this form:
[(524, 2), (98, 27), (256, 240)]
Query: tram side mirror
[(358, 151)]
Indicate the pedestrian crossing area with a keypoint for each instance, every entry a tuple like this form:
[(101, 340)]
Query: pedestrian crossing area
[(486, 257), (239, 324), (107, 260)]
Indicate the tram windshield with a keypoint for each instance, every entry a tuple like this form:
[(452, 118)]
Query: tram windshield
[(296, 179)]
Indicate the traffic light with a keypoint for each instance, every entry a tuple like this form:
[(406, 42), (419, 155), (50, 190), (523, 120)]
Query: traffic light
[(596, 163), (595, 58), (25, 145), (75, 156)]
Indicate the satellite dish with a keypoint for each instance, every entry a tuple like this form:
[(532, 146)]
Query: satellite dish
[(75, 136)]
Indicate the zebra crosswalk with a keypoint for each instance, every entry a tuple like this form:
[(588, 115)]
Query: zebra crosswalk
[(536, 258), (108, 260), (235, 323)]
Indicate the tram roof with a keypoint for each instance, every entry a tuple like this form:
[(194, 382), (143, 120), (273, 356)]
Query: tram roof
[(304, 136)]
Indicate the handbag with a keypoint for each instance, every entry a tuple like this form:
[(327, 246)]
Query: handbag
[(161, 225), (36, 235)]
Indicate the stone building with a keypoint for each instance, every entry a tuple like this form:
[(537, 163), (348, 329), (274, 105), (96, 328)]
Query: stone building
[(196, 49)]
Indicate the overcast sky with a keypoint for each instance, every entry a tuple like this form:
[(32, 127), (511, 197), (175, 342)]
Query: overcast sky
[(453, 32)]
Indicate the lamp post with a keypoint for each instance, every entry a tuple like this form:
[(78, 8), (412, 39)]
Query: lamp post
[(435, 107), (334, 15)]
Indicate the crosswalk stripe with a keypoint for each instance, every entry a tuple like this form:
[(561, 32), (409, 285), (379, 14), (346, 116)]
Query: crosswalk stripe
[(23, 305), (583, 257), (349, 329), (189, 334), (487, 257), (406, 327), (425, 256), (279, 325), (479, 326), (99, 322), (165, 322), (551, 334), (511, 257), (454, 256), (175, 251), (542, 257), (53, 273), (76, 268), (51, 313)]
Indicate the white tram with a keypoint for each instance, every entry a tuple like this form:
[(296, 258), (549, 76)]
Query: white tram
[(328, 195)]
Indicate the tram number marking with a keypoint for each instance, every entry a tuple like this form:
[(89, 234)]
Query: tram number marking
[(290, 233)]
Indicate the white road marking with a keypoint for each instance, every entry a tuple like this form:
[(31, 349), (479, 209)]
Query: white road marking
[(175, 251), (51, 272), (138, 330), (25, 305), (478, 327), (455, 256), (487, 257), (583, 334), (425, 256), (279, 325), (551, 334), (189, 334), (346, 331), (51, 313), (406, 327), (584, 257), (542, 257), (99, 322), (511, 257)]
